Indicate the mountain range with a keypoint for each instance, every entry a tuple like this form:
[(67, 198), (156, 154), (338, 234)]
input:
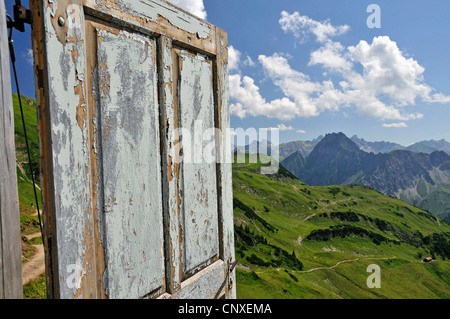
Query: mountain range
[(303, 147), (306, 147), (421, 179), (428, 147)]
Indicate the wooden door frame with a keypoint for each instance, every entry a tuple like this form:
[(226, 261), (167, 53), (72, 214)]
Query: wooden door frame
[(10, 241)]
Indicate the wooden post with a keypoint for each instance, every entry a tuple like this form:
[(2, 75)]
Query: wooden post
[(10, 245)]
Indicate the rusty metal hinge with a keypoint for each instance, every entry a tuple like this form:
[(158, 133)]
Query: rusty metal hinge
[(22, 15), (230, 269)]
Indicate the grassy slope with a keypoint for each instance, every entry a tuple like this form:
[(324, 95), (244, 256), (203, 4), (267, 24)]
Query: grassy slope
[(437, 202), (35, 289), (25, 186), (28, 221), (295, 209)]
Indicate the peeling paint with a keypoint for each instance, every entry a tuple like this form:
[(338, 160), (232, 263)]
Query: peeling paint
[(204, 284), (66, 94), (133, 222), (151, 10), (200, 239), (118, 201)]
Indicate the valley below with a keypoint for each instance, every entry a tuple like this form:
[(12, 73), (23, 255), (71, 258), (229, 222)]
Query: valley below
[(299, 241)]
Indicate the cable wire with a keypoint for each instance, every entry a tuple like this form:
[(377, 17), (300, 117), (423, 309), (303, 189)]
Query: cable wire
[(13, 60)]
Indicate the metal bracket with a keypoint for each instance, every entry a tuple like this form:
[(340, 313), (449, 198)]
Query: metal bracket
[(22, 15), (230, 268)]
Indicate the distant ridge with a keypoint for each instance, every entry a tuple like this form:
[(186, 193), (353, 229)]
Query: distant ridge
[(421, 179), (376, 147), (306, 147)]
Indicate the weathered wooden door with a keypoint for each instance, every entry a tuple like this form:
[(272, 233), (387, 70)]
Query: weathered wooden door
[(127, 213)]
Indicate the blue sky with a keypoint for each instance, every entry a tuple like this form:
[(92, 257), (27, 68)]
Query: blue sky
[(315, 67), (22, 49), (403, 67)]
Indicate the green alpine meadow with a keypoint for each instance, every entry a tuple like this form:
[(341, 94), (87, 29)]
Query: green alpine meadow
[(298, 241)]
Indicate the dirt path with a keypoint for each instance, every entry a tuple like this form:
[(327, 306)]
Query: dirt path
[(30, 237), (328, 268), (300, 239), (242, 267), (308, 217), (342, 261), (35, 266), (337, 264)]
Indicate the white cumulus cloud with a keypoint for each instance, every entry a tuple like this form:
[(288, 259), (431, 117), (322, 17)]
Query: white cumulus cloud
[(388, 84), (331, 56), (388, 72), (29, 56), (234, 58), (376, 79), (249, 102), (301, 26), (397, 125), (195, 7), (283, 127)]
